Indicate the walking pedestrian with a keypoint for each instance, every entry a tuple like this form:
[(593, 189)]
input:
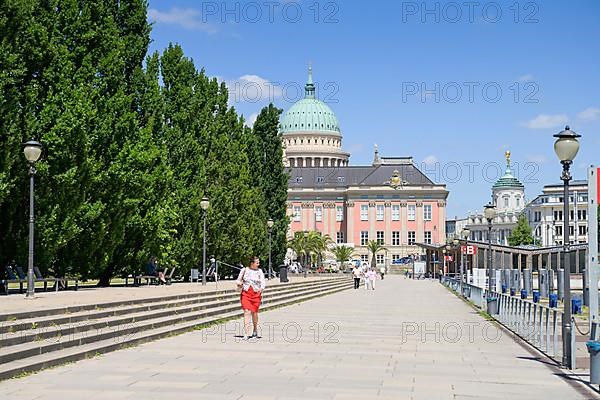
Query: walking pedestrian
[(382, 272), (356, 273), (370, 277), (251, 281)]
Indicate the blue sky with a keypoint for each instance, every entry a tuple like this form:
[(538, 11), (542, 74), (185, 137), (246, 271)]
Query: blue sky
[(451, 84)]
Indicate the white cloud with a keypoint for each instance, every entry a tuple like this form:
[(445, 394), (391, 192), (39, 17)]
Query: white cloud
[(526, 78), (188, 18), (589, 114), (252, 89), (545, 121), (430, 160), (251, 120)]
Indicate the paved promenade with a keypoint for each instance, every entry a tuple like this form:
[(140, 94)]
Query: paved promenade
[(352, 345)]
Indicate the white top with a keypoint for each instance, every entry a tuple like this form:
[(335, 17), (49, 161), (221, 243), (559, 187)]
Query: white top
[(252, 277), (357, 273), (371, 275)]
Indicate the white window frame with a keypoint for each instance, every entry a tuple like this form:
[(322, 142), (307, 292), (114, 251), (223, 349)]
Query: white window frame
[(364, 238), (364, 212), (412, 212), (427, 237), (297, 213), (380, 210), (380, 237), (412, 240), (319, 214), (364, 257), (340, 237), (379, 259), (395, 212), (427, 212), (395, 238), (339, 213)]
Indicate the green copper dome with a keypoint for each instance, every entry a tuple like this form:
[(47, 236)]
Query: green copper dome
[(309, 114), (508, 180)]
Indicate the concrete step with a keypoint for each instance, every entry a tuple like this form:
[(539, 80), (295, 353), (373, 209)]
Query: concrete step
[(111, 319), (12, 323), (160, 328), (68, 310)]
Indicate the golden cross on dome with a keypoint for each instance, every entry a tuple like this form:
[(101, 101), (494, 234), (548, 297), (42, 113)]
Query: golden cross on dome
[(507, 155)]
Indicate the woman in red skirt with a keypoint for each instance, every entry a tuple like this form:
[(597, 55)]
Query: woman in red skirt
[(252, 282)]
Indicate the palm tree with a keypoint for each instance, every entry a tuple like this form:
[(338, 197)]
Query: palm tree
[(343, 254), (299, 245), (317, 244), (309, 246), (374, 247)]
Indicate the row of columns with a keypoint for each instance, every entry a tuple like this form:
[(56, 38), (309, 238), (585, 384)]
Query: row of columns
[(300, 162), (508, 260)]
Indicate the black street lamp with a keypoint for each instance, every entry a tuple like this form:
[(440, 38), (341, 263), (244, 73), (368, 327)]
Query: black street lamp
[(204, 204), (270, 224), (33, 151), (490, 213), (566, 148)]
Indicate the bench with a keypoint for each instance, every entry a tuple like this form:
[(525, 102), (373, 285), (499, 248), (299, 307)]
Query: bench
[(16, 274), (57, 281)]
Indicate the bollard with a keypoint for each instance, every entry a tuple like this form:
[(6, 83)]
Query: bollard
[(516, 280), (523, 294), (512, 291), (536, 296), (506, 277), (543, 282), (527, 280), (553, 301), (594, 350), (576, 305), (492, 305), (560, 277), (504, 288)]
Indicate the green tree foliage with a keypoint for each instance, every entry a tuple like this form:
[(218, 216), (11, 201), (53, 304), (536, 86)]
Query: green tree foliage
[(310, 247), (342, 254), (270, 172), (374, 247), (522, 234), (129, 151)]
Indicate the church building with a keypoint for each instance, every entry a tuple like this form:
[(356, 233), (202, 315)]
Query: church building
[(390, 201)]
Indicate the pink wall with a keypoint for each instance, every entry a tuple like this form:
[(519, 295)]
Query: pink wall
[(438, 232)]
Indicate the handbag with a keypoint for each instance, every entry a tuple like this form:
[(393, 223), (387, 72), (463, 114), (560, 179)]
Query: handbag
[(241, 288)]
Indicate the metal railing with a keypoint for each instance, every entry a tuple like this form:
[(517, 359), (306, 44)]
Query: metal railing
[(537, 324)]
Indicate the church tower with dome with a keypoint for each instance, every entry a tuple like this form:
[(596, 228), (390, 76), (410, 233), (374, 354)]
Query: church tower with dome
[(311, 133), (389, 201)]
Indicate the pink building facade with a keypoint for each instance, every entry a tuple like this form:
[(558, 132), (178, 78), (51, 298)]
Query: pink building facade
[(354, 205)]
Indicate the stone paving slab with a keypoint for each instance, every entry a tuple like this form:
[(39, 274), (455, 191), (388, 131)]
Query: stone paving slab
[(406, 340)]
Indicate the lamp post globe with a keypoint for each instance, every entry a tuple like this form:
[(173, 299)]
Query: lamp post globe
[(566, 147), (33, 151), (204, 204)]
